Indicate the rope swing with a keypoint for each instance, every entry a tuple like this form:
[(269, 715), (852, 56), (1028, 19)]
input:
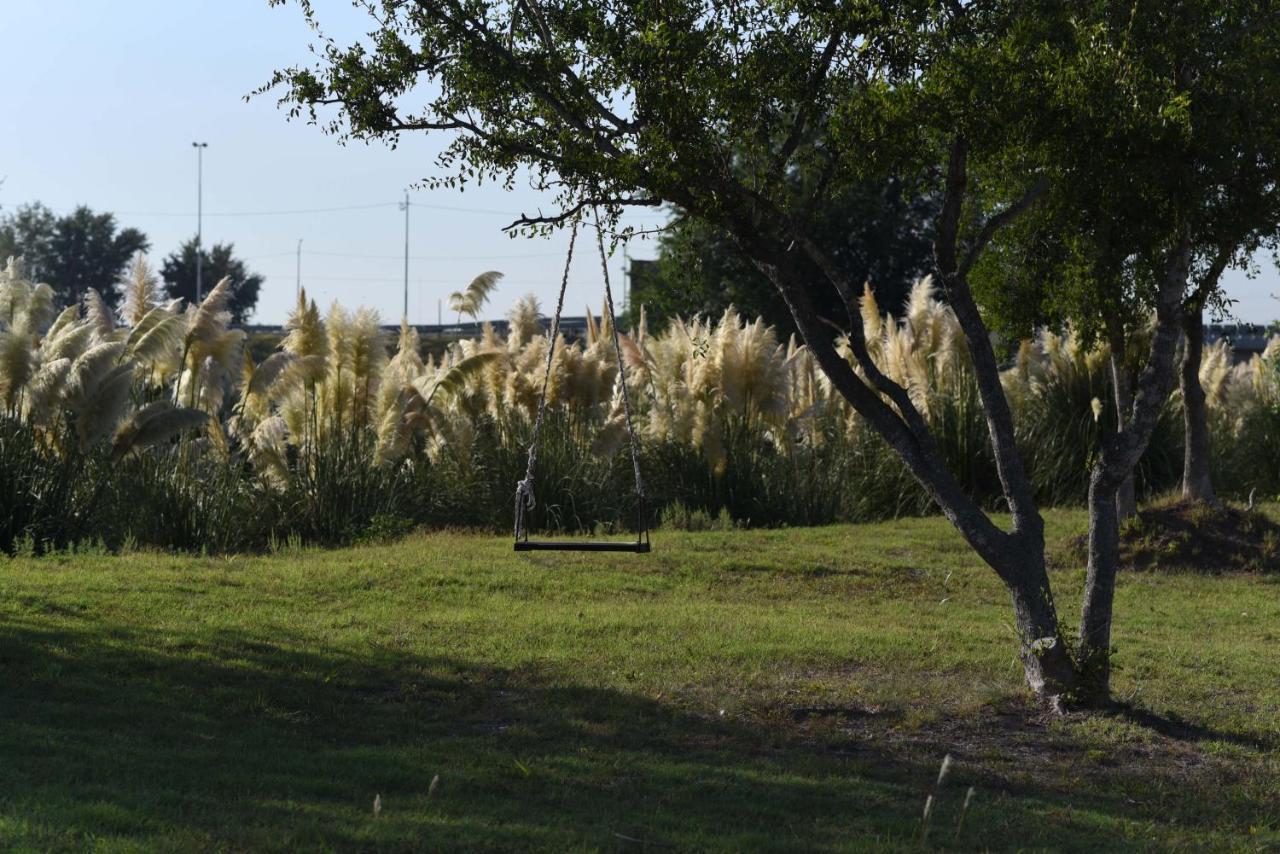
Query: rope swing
[(525, 499)]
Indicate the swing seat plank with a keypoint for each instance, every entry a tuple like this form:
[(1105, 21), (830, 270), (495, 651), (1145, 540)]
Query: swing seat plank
[(570, 546)]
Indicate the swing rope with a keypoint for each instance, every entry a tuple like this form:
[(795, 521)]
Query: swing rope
[(524, 498), (524, 489), (622, 368)]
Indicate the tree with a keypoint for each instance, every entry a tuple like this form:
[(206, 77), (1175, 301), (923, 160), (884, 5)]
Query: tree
[(712, 107), (880, 234), (1227, 201), (179, 274), (1240, 214), (75, 253), (1142, 223), (1162, 198)]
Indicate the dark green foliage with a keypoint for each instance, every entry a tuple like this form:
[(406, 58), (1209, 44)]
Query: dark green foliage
[(44, 496), (1250, 463), (1059, 437), (183, 501), (334, 492), (879, 234), (179, 274), (75, 253)]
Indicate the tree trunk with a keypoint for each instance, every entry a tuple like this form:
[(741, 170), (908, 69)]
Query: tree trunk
[(1046, 661), (1126, 495), (1017, 555), (1100, 586), (1197, 485), (1120, 453)]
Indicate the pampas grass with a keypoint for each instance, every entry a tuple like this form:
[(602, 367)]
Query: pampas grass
[(166, 430), (472, 299)]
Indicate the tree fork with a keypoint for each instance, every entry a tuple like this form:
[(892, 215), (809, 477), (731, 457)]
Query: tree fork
[(1017, 557)]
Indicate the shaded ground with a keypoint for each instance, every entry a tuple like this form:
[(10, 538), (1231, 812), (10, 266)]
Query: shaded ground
[(749, 690)]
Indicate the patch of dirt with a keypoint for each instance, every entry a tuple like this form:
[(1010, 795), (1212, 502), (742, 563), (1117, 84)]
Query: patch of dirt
[(1197, 537), (1012, 744)]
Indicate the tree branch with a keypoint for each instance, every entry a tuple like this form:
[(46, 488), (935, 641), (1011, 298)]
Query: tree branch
[(998, 221), (922, 458), (548, 44), (1120, 452), (562, 216), (807, 102), (1013, 477), (1209, 281)]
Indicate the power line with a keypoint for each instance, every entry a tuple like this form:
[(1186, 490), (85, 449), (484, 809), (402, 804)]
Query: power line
[(489, 257), (454, 280), (336, 209), (271, 255), (297, 211)]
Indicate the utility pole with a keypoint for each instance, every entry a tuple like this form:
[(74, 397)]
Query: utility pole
[(298, 287), (405, 208), (199, 147)]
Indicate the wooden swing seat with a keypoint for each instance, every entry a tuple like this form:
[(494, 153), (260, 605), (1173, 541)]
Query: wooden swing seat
[(570, 546)]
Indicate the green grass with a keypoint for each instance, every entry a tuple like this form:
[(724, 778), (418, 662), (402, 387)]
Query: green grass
[(786, 689)]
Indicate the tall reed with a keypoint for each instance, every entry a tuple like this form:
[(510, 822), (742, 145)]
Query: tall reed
[(158, 426)]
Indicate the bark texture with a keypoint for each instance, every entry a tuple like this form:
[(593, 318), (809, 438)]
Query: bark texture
[(1120, 453), (1126, 495), (1197, 484)]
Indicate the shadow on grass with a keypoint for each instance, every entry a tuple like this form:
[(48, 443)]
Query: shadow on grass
[(235, 742), (1173, 727)]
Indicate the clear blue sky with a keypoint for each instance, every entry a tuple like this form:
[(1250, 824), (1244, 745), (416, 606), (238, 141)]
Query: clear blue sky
[(103, 101)]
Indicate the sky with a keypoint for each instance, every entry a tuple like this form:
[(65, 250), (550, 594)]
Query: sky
[(103, 101)]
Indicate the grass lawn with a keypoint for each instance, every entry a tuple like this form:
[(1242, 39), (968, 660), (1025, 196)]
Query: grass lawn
[(745, 690)]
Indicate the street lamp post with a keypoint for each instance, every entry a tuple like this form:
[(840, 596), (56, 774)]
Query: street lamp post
[(199, 147), (298, 288)]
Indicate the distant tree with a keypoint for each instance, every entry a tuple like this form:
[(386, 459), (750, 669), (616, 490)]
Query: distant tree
[(882, 233), (179, 274), (28, 233), (74, 253)]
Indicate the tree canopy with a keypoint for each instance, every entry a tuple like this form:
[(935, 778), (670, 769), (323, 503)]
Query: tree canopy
[(219, 262), (74, 253), (880, 233), (1196, 158)]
